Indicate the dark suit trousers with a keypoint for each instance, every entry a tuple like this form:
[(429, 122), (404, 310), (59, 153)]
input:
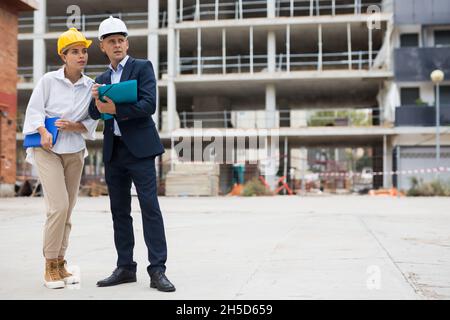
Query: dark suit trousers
[(124, 168)]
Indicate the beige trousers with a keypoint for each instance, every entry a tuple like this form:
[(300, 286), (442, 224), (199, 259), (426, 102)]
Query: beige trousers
[(60, 176)]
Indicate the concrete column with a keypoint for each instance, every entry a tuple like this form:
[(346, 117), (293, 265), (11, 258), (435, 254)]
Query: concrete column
[(271, 39), (40, 27), (153, 56), (224, 51), (199, 51), (251, 48), (270, 123), (271, 105), (288, 48), (270, 8), (153, 45), (271, 51), (319, 45), (370, 48), (171, 67), (349, 45), (387, 39)]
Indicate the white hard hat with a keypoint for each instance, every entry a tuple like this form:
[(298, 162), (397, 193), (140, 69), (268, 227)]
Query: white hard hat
[(111, 25)]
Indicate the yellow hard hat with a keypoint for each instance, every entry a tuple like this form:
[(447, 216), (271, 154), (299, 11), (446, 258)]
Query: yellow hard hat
[(70, 37)]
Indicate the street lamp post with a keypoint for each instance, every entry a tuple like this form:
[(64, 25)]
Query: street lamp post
[(437, 76)]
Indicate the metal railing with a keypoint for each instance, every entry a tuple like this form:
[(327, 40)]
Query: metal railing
[(261, 119), (26, 24), (240, 64), (359, 60), (20, 118), (242, 9), (294, 118), (90, 22), (25, 74), (219, 64), (322, 7), (223, 9)]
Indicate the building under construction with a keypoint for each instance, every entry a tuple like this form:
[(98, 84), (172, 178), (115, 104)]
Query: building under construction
[(345, 83)]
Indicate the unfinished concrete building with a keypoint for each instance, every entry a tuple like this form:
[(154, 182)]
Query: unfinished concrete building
[(322, 72)]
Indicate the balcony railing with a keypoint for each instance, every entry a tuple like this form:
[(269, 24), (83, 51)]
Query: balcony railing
[(217, 10), (26, 24), (359, 60), (421, 12), (261, 119), (90, 22), (301, 118), (416, 64), (242, 9), (421, 116), (25, 74)]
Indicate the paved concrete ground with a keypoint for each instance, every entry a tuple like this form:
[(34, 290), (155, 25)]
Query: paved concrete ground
[(328, 247)]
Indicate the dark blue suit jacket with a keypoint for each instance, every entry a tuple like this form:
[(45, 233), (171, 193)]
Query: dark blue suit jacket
[(135, 122)]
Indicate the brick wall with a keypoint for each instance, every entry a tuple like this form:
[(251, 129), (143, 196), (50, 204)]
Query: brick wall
[(8, 96)]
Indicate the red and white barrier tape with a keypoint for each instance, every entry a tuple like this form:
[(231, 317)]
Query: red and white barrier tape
[(381, 173)]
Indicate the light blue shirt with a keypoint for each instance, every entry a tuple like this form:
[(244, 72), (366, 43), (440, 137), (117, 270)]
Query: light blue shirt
[(115, 78)]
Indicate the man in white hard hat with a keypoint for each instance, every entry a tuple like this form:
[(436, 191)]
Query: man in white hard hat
[(131, 143)]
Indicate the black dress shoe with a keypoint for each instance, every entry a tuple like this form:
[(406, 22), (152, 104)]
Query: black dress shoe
[(118, 276), (159, 281)]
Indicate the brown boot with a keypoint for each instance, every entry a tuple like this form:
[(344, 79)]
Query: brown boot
[(52, 279), (64, 274)]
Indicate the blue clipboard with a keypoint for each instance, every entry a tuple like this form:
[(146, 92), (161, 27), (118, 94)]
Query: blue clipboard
[(34, 140), (121, 92)]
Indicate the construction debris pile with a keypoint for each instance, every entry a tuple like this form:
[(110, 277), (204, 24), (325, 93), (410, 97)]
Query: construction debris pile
[(193, 179)]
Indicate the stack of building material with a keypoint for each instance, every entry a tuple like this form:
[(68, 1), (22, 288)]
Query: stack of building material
[(193, 179)]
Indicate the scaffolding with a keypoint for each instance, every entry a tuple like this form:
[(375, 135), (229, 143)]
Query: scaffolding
[(90, 22)]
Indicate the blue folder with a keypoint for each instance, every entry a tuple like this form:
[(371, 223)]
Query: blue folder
[(121, 92), (34, 140)]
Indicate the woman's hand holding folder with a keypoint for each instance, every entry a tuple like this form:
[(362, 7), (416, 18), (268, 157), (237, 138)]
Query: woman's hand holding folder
[(46, 138)]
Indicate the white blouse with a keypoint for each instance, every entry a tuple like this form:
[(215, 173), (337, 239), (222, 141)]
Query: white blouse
[(56, 96)]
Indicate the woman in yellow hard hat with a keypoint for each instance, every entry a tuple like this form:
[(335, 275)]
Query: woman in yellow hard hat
[(64, 94)]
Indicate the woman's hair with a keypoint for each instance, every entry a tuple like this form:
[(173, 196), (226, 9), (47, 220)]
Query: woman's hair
[(64, 52)]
